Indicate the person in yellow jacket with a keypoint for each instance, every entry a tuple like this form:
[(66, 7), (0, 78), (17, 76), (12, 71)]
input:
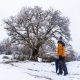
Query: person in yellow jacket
[(61, 54)]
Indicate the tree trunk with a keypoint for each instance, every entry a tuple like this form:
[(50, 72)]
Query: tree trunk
[(35, 54)]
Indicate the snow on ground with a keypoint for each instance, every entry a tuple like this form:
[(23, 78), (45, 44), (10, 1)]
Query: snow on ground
[(28, 70)]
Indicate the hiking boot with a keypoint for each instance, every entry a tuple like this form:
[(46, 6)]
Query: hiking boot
[(65, 74), (59, 73)]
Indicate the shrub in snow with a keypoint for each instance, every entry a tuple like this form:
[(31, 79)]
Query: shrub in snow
[(8, 52), (5, 57), (21, 58)]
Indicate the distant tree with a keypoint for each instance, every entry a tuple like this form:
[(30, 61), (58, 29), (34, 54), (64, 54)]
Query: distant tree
[(5, 46), (34, 26)]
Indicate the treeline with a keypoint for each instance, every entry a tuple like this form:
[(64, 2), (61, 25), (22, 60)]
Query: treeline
[(21, 52)]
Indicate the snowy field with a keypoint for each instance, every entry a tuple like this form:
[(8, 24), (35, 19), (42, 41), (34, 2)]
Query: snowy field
[(28, 70)]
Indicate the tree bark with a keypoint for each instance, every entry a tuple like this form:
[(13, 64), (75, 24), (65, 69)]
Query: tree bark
[(35, 54)]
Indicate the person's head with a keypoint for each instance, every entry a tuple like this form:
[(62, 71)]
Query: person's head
[(60, 38)]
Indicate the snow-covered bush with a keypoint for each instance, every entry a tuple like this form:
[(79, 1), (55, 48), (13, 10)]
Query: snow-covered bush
[(5, 57)]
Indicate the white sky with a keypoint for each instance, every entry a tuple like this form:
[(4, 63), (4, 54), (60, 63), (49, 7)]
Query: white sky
[(68, 8)]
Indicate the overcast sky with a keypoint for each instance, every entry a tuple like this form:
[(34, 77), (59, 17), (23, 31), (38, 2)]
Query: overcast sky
[(70, 8)]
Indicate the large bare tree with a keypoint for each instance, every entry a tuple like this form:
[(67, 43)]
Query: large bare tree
[(34, 26)]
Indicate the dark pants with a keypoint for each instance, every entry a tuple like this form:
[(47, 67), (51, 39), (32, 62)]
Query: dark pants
[(57, 64), (62, 65)]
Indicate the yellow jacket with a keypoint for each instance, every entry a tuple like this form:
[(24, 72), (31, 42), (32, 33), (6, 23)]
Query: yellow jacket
[(60, 50)]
